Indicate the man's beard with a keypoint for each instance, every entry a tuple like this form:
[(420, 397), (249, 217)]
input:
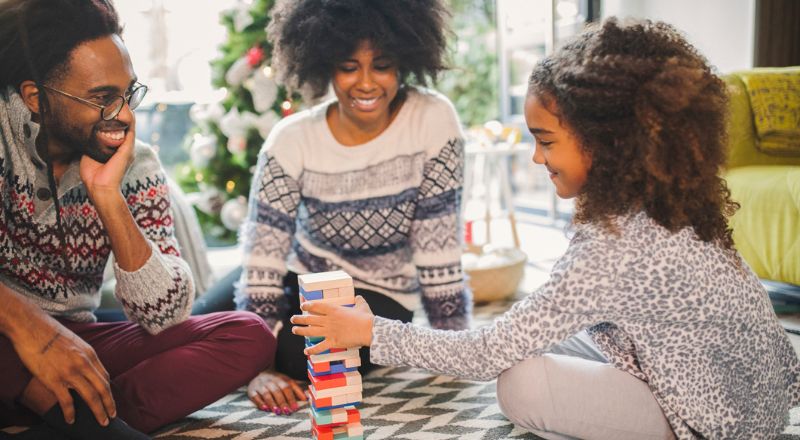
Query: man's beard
[(78, 145)]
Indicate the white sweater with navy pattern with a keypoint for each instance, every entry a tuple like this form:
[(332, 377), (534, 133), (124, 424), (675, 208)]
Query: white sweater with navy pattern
[(387, 212), (685, 316)]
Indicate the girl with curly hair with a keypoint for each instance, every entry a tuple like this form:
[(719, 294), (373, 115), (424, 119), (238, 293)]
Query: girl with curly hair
[(368, 182), (651, 326)]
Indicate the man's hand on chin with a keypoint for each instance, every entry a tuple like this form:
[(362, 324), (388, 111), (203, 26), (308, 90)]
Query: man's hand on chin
[(104, 179)]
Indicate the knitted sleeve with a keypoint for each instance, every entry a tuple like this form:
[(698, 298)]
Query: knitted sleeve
[(160, 293), (266, 237), (436, 239)]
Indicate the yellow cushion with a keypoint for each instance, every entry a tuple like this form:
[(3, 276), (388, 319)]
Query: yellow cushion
[(775, 101), (766, 229)]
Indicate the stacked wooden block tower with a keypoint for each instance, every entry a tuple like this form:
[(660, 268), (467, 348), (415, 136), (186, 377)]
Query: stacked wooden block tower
[(335, 381)]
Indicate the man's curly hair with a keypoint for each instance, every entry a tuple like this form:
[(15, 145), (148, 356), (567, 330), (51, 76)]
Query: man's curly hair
[(649, 111), (310, 36)]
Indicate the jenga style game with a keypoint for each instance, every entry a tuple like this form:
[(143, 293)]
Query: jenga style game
[(335, 381)]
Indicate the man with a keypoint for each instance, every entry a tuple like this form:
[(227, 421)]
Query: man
[(75, 187)]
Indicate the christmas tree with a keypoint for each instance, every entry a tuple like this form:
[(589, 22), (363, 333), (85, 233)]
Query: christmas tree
[(224, 144)]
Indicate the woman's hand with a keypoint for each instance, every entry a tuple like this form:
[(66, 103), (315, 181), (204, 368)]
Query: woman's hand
[(342, 327), (276, 392)]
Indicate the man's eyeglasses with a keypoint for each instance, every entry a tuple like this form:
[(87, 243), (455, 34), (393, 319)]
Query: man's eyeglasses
[(113, 105)]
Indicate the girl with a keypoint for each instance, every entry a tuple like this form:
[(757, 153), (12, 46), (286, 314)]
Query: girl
[(666, 331)]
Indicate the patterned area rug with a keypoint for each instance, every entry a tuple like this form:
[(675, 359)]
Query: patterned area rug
[(399, 403)]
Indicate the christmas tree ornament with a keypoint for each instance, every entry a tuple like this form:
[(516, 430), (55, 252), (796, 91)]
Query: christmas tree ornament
[(233, 213), (265, 122), (203, 149), (263, 88), (239, 71), (235, 123), (242, 16), (210, 201), (286, 108), (237, 144), (205, 113), (255, 55)]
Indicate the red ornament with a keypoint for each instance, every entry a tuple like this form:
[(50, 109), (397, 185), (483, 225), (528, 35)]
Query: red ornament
[(286, 108), (255, 56)]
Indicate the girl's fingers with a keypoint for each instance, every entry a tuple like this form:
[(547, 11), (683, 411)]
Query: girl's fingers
[(306, 320), (317, 307), (308, 331), (317, 348)]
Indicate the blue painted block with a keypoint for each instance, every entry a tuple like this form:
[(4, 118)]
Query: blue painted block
[(312, 295), (336, 367), (324, 408)]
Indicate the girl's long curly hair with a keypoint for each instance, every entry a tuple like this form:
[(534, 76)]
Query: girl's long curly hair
[(651, 114), (310, 36)]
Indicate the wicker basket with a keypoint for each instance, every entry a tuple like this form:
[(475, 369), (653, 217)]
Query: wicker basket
[(499, 278), (496, 282)]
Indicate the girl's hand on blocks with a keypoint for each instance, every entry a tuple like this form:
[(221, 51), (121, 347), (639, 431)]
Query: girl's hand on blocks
[(276, 392), (342, 327)]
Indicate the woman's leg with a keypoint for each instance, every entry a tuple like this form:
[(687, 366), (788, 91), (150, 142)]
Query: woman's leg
[(219, 297), (560, 397), (290, 359)]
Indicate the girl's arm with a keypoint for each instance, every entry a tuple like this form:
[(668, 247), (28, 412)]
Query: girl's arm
[(556, 311)]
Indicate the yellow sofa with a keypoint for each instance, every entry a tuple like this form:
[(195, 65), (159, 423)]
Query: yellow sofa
[(766, 229)]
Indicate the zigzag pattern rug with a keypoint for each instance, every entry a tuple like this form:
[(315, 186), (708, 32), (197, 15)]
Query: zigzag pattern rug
[(399, 403)]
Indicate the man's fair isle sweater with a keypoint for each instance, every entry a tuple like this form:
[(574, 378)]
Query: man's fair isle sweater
[(387, 211), (32, 256)]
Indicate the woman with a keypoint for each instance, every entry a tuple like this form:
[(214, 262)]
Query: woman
[(369, 182)]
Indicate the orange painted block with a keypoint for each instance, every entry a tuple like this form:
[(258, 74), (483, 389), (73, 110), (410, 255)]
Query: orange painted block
[(335, 380), (331, 432), (321, 367), (334, 401)]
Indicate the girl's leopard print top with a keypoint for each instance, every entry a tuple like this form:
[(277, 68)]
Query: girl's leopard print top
[(686, 316)]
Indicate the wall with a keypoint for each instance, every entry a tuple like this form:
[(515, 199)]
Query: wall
[(722, 30)]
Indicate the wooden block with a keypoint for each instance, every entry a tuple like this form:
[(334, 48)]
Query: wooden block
[(314, 339), (350, 353), (347, 414), (310, 295), (347, 292), (352, 363), (330, 368), (334, 401), (324, 280), (335, 432), (308, 344), (335, 380), (336, 391)]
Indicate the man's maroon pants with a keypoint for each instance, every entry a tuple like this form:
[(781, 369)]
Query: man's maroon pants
[(157, 379)]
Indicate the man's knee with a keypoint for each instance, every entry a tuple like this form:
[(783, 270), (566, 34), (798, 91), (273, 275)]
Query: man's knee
[(523, 394), (259, 341)]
